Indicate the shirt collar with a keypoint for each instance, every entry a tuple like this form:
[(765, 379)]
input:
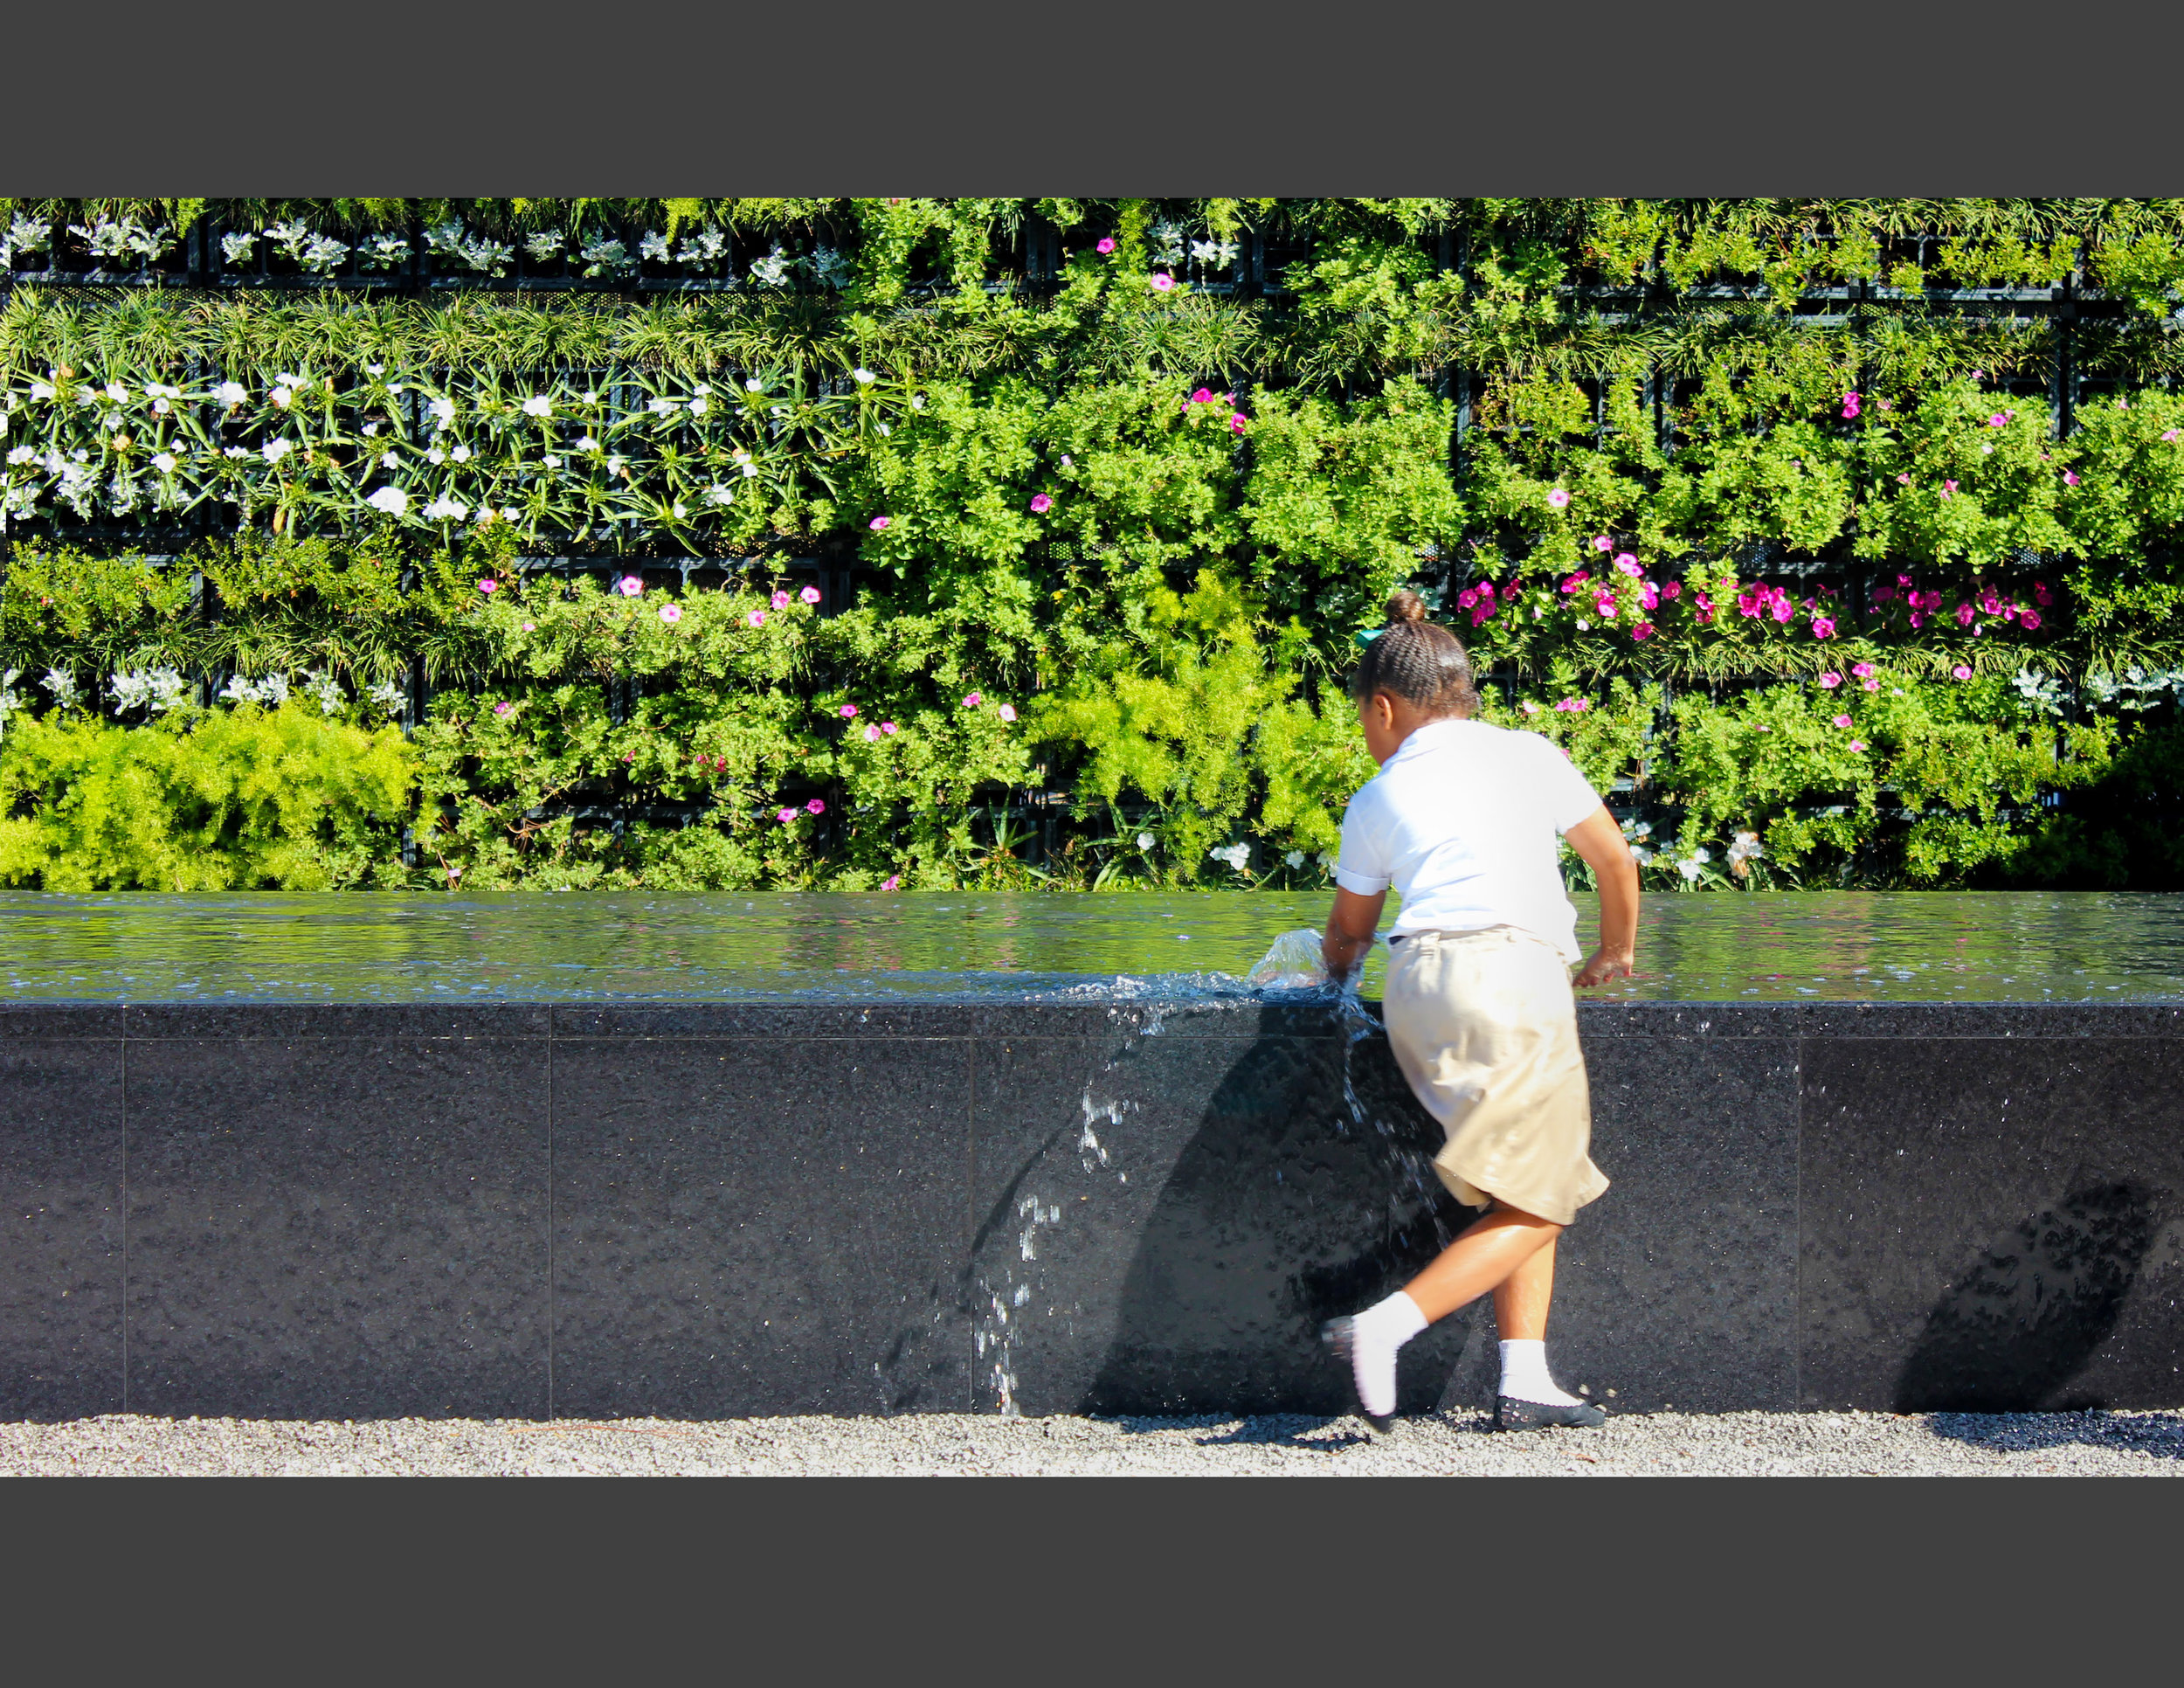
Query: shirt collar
[(1427, 737)]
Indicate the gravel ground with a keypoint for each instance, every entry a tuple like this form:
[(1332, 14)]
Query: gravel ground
[(1448, 1444)]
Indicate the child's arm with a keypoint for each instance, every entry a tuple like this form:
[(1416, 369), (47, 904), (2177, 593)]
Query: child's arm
[(1599, 840), (1350, 929)]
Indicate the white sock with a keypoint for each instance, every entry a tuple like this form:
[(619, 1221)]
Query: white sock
[(1375, 1335), (1525, 1376)]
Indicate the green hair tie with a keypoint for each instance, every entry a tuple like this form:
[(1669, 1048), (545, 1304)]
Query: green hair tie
[(1365, 636)]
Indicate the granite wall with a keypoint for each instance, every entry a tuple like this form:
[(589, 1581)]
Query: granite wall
[(699, 1211)]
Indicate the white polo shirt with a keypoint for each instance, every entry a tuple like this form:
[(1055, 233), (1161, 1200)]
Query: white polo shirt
[(1464, 820)]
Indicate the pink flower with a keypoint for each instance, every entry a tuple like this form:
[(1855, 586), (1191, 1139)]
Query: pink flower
[(1603, 542), (1783, 608), (1705, 606), (504, 709), (972, 700), (893, 881), (1966, 614), (872, 733), (1830, 680), (2171, 436), (1998, 420), (2069, 480), (1626, 563), (1557, 499), (1917, 621), (848, 711), (1903, 481), (2029, 620), (530, 627), (1529, 707), (784, 816), (1870, 685), (1961, 672), (1574, 582), (1842, 721), (1673, 590), (1823, 627), (1857, 744), (756, 618), (1862, 669), (810, 594), (880, 524), (1948, 489), (1235, 422), (1041, 504), (671, 613), (889, 727), (488, 586), (1642, 631), (629, 586), (781, 600), (1884, 404), (1849, 406), (1105, 245), (815, 808), (1203, 396), (1468, 597), (2041, 594), (1162, 281), (1007, 711)]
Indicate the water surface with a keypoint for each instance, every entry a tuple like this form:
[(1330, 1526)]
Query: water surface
[(369, 947)]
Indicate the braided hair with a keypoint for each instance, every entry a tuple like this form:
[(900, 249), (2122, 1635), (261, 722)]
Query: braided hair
[(1417, 660)]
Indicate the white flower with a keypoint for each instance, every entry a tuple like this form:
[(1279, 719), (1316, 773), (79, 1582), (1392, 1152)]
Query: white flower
[(375, 368), (288, 380), (917, 401), (587, 444), (21, 455), (436, 455), (392, 500), (234, 452), (717, 494), (754, 384), (445, 508), (679, 511), (551, 462), (1294, 859), (41, 390), (886, 433), (1145, 840), (280, 395), (443, 412), (324, 254), (274, 450), (1745, 846), (461, 453), (389, 459), (615, 465), (661, 407), (117, 393), (863, 378), (537, 405), (230, 393), (697, 407), (161, 407), (750, 469), (164, 462), (1237, 855)]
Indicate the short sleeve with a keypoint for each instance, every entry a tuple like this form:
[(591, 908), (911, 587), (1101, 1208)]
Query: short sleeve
[(1570, 797), (1362, 868)]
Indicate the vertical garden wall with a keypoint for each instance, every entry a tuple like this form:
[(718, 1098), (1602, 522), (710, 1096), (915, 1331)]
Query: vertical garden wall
[(863, 544)]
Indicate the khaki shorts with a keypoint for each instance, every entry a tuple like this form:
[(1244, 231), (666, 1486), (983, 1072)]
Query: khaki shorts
[(1485, 1028)]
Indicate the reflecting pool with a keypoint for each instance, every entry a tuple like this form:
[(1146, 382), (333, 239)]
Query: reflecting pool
[(271, 946)]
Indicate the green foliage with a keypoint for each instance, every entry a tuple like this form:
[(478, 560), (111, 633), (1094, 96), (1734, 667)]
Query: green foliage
[(246, 800)]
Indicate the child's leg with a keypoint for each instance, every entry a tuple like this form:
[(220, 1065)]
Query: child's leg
[(1520, 1299), (1490, 1250)]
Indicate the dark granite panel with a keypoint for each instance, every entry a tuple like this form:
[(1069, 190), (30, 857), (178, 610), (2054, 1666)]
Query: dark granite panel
[(1995, 1019), (784, 1023), (1164, 1222), (381, 1019), (1992, 1224), (747, 1227), (1679, 1286), (1689, 1020), (51, 1019), (60, 1227), (1217, 1018), (338, 1228)]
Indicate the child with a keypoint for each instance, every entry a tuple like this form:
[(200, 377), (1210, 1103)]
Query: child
[(1461, 821)]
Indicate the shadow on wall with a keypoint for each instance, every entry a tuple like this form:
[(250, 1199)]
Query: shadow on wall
[(1305, 1192), (2013, 1332)]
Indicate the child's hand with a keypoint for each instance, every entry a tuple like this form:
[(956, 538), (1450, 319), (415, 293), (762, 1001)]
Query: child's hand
[(1605, 966)]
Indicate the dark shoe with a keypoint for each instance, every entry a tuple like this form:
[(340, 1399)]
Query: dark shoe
[(1510, 1414), (1336, 1334)]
